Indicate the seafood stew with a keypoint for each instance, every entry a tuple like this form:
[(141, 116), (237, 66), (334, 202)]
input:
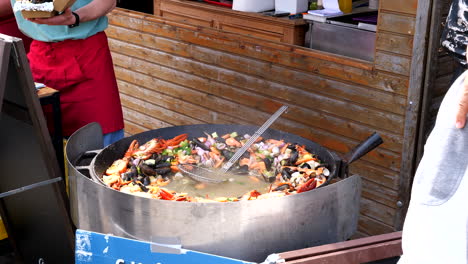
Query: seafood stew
[(272, 167)]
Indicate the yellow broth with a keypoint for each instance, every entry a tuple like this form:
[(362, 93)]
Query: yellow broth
[(233, 186)]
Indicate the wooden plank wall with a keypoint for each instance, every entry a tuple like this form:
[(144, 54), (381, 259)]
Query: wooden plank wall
[(439, 73), (171, 73)]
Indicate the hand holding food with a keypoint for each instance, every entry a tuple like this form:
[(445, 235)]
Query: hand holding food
[(32, 9)]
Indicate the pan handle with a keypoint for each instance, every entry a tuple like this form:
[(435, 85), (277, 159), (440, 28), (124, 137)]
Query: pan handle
[(88, 155), (360, 150)]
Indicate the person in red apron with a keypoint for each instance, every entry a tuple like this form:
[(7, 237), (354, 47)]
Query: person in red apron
[(8, 24), (70, 53)]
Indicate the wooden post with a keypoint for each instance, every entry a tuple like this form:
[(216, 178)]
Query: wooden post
[(413, 109)]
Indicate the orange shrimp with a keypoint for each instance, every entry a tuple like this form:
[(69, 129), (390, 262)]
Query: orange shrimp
[(176, 140), (255, 179), (233, 142), (213, 149), (174, 168), (300, 161), (131, 149), (259, 166), (162, 182), (119, 166), (244, 161), (302, 150), (278, 143), (218, 164)]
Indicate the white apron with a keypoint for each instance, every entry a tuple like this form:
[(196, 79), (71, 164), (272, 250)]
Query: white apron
[(436, 225)]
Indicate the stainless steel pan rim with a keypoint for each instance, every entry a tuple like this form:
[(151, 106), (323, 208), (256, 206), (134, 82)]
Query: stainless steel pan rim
[(248, 230)]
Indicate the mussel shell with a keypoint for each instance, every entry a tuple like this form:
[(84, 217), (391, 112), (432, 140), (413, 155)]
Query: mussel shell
[(142, 186), (163, 171), (220, 140), (227, 154), (282, 187), (147, 170), (241, 169), (200, 144), (146, 181), (294, 157), (292, 146), (286, 174), (239, 138), (133, 173), (268, 163), (166, 158), (269, 179), (157, 157), (163, 165), (126, 176)]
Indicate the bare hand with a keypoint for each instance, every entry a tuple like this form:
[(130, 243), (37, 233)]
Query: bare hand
[(462, 110), (66, 18)]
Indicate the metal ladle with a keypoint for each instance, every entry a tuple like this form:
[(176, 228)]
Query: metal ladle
[(206, 175)]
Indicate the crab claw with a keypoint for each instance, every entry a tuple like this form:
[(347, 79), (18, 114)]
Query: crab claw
[(307, 186), (131, 149)]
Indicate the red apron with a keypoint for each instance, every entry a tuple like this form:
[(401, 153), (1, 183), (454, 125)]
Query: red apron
[(9, 27), (82, 70)]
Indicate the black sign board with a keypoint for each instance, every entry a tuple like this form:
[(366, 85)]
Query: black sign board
[(33, 200)]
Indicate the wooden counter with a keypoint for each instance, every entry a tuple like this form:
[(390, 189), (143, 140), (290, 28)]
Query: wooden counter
[(291, 31)]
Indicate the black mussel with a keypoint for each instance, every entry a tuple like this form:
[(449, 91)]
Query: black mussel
[(157, 157), (323, 165), (282, 187), (220, 140), (139, 178), (147, 170), (200, 144), (292, 146), (146, 181), (165, 158), (269, 177), (142, 186), (268, 163), (126, 176), (239, 138), (286, 174), (241, 169), (162, 171), (227, 154), (305, 166), (163, 165), (293, 158), (246, 155), (133, 173)]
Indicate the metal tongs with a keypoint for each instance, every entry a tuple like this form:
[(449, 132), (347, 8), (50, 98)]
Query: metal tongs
[(207, 175)]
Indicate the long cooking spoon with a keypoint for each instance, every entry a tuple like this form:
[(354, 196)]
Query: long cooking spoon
[(208, 176)]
